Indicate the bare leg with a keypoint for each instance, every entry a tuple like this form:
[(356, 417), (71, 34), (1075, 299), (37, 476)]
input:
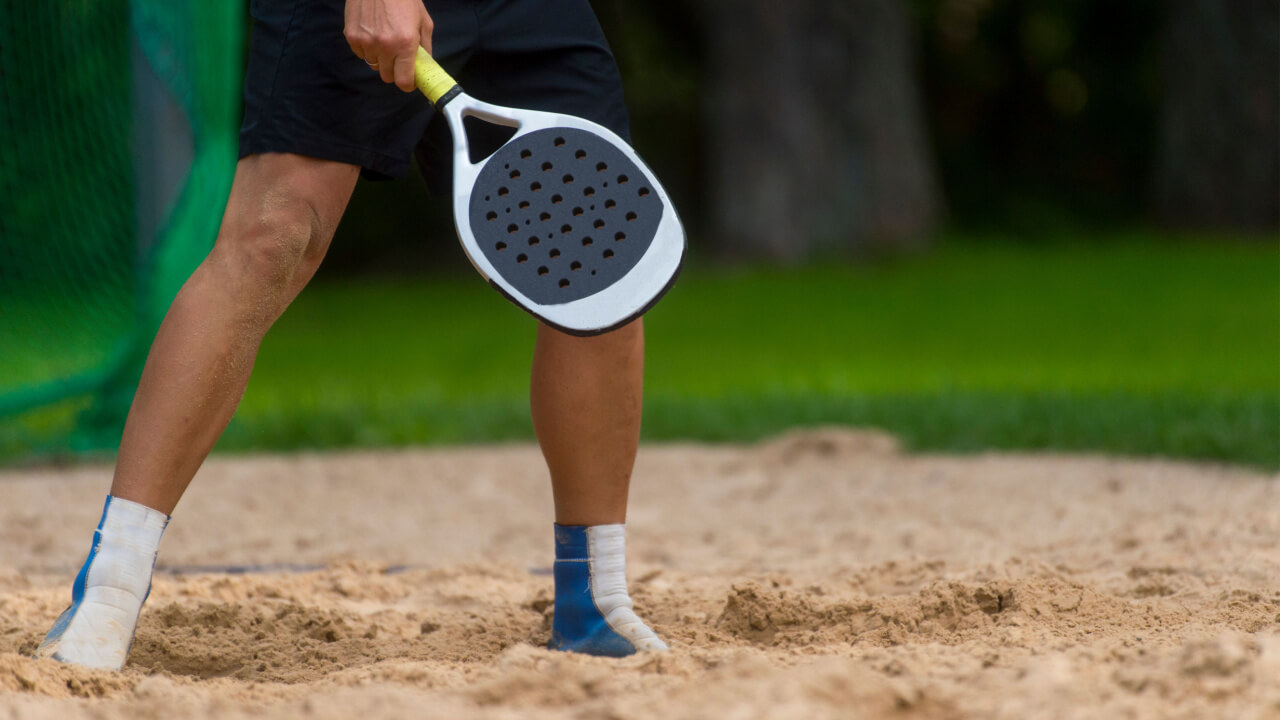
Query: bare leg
[(586, 398), (279, 220)]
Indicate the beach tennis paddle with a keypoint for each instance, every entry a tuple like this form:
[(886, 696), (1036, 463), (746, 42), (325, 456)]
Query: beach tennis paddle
[(564, 219)]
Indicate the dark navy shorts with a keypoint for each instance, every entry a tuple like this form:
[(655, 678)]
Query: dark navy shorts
[(306, 92)]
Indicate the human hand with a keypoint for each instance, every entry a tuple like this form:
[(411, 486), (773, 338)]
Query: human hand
[(386, 35)]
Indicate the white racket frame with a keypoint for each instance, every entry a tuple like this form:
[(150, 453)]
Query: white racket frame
[(628, 298)]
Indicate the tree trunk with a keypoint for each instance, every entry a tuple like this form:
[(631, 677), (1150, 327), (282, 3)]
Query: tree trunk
[(817, 139), (1218, 163)]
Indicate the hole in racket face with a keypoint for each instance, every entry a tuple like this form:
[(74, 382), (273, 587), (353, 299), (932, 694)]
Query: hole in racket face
[(569, 165)]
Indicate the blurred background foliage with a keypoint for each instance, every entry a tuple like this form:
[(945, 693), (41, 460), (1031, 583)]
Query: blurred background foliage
[(975, 223)]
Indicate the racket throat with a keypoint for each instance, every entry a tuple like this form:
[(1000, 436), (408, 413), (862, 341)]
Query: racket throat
[(477, 133), (452, 93)]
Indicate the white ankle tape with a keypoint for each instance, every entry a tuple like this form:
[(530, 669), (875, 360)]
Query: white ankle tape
[(97, 630), (607, 552), (128, 539), (607, 546)]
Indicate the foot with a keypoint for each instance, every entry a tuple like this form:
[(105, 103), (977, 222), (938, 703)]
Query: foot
[(593, 612), (97, 630)]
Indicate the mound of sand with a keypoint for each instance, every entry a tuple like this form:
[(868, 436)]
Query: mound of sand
[(821, 575)]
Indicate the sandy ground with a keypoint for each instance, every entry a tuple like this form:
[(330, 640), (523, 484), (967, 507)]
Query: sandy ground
[(821, 575)]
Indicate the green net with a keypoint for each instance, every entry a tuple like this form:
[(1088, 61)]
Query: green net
[(117, 145)]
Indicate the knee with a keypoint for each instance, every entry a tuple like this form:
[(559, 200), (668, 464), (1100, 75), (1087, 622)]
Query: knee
[(266, 249)]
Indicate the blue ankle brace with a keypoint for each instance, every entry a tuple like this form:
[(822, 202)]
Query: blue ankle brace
[(593, 613)]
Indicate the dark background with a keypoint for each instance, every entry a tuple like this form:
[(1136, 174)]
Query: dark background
[(1027, 120)]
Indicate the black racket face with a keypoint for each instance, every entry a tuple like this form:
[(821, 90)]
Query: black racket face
[(562, 214)]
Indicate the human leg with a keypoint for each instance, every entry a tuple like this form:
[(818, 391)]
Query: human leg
[(585, 395), (586, 398), (314, 116), (279, 220)]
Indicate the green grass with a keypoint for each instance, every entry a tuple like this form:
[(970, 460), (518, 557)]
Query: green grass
[(1129, 346)]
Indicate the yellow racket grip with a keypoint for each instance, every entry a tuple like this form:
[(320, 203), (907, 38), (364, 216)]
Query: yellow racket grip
[(430, 78)]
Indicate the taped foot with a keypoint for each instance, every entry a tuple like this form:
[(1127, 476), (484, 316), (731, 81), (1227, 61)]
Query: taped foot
[(97, 630), (593, 611)]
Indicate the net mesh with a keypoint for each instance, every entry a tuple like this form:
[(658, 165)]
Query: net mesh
[(94, 241)]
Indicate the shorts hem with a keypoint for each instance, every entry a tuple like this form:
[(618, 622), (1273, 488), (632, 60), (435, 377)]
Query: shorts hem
[(373, 165)]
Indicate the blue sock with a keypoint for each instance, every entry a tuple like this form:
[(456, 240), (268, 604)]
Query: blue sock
[(593, 612)]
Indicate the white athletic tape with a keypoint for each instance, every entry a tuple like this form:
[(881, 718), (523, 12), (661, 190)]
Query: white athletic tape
[(97, 630), (607, 553)]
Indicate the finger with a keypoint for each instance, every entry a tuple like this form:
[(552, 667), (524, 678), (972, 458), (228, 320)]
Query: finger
[(351, 30), (356, 47), (386, 67), (425, 28), (362, 52), (403, 72)]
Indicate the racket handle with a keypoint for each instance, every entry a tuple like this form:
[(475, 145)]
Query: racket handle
[(430, 78)]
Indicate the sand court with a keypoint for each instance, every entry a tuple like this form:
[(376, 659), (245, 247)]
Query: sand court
[(823, 574)]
